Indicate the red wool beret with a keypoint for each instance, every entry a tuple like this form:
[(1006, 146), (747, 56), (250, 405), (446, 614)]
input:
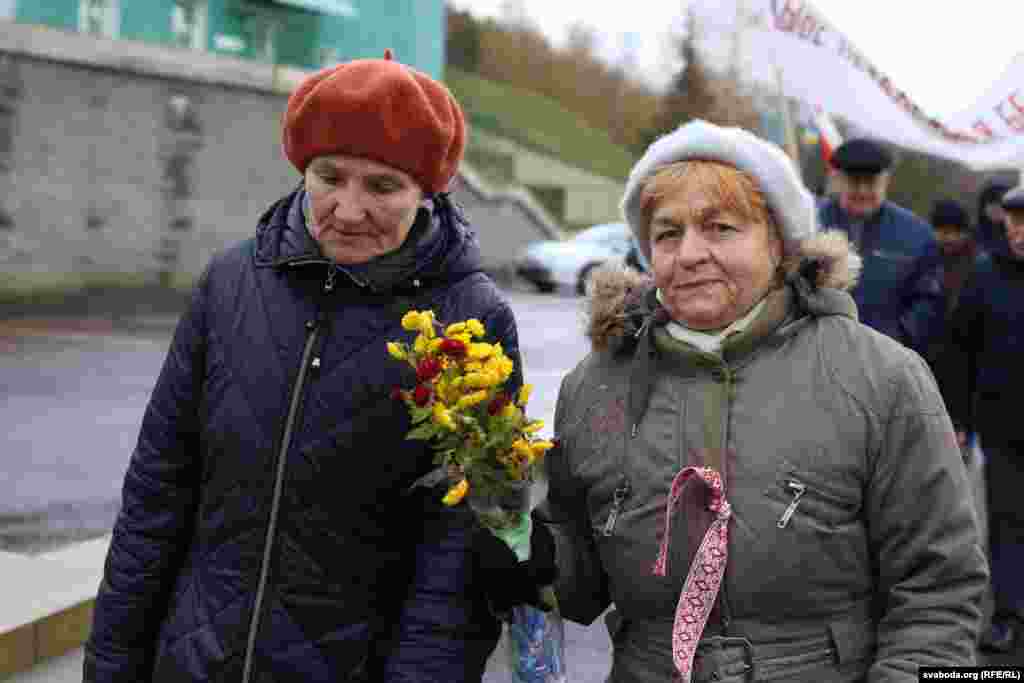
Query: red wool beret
[(377, 109)]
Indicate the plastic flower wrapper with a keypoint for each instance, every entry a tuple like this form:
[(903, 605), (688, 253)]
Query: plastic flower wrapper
[(487, 450)]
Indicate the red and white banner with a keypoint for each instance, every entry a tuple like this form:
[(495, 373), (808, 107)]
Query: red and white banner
[(819, 65)]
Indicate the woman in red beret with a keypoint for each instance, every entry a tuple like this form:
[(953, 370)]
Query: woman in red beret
[(267, 531)]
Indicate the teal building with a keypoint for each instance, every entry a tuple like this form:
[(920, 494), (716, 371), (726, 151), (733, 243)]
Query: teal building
[(308, 34)]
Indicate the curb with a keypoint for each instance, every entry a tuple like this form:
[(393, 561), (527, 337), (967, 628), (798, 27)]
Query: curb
[(48, 603), (30, 645)]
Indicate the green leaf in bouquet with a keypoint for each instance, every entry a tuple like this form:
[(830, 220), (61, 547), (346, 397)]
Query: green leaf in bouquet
[(423, 432), (420, 414)]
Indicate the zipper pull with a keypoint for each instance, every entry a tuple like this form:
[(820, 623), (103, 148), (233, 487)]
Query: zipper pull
[(798, 490), (613, 516), (331, 274), (643, 327)]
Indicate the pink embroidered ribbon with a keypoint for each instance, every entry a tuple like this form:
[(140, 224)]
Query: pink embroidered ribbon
[(706, 573)]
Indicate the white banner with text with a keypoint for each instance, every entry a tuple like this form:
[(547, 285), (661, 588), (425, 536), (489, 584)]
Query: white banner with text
[(820, 66)]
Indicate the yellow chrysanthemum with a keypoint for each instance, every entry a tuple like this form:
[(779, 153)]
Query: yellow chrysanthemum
[(534, 426), (475, 327), (510, 412), (463, 337), (411, 321), (454, 329), (443, 416), (456, 493), (492, 365), (507, 366), (524, 394), (522, 448), (473, 366), (481, 380), (396, 351), (443, 389), (470, 400), (421, 345), (480, 351), (435, 344), (539, 448), (427, 324)]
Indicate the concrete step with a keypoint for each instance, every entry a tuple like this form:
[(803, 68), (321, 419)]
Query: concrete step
[(47, 603)]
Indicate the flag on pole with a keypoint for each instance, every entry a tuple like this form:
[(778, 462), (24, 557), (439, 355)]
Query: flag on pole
[(830, 137)]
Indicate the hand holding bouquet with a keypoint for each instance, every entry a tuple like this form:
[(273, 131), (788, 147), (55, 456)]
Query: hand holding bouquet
[(486, 448), (484, 442)]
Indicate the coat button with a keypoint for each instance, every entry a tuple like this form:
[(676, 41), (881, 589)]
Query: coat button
[(316, 363)]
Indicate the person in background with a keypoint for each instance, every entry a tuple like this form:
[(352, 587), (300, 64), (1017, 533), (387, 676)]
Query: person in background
[(991, 228), (983, 374), (267, 530), (765, 488), (959, 252), (957, 245), (900, 290)]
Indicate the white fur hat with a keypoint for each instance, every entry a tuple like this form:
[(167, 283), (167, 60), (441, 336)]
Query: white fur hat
[(790, 202)]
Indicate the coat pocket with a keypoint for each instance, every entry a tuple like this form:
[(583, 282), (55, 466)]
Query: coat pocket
[(811, 502), (819, 522)]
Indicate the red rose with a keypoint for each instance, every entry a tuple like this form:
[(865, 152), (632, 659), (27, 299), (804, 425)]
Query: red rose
[(454, 348), (499, 402), (421, 396), (428, 369)]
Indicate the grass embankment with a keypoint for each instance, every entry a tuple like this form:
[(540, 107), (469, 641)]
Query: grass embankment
[(539, 123)]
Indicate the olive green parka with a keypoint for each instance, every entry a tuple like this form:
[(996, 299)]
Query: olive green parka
[(853, 552)]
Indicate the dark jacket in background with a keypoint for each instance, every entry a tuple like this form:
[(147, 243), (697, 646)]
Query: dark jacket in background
[(956, 268), (991, 236), (271, 466), (900, 289), (982, 376), (981, 368)]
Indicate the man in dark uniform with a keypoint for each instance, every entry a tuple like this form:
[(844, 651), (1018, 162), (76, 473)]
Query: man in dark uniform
[(900, 290)]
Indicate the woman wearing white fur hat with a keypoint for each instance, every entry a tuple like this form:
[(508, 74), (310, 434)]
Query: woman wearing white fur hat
[(765, 488)]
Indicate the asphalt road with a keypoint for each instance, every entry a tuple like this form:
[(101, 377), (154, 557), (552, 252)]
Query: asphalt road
[(72, 398)]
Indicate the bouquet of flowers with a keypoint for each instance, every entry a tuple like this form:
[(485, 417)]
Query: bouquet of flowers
[(487, 450)]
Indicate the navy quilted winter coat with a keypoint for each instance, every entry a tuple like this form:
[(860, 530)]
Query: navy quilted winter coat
[(265, 534)]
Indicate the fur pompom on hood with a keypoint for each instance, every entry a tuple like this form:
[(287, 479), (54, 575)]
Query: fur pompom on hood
[(620, 298)]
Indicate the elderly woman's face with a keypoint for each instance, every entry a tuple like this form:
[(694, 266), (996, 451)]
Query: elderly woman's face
[(711, 265), (361, 209)]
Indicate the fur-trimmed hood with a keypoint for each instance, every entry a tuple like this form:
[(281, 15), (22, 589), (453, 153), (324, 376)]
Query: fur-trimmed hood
[(824, 269)]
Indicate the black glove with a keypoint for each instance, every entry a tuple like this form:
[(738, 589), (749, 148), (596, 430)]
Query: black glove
[(508, 582)]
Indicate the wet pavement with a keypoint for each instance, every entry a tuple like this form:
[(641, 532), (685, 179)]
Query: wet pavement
[(70, 408)]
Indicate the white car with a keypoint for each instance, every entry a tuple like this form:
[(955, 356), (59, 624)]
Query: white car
[(551, 264)]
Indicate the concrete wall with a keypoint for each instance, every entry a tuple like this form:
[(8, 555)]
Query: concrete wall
[(589, 198), (505, 220), (115, 169)]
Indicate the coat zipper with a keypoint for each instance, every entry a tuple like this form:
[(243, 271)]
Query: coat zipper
[(621, 491), (798, 491), (727, 378), (268, 545)]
